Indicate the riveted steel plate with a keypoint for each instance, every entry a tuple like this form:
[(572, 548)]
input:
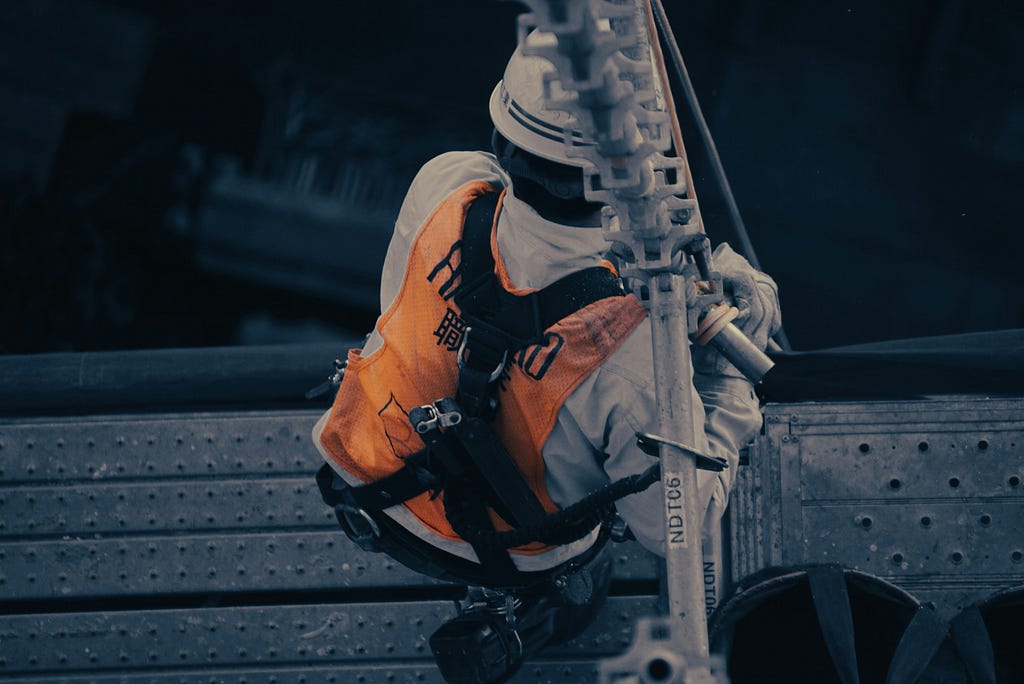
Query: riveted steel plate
[(950, 464), (276, 636), (927, 494), (127, 448), (939, 537), (392, 672), (80, 568), (880, 416), (172, 511), (160, 506)]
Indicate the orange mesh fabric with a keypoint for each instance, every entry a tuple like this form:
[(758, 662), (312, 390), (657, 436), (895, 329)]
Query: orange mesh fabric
[(368, 431)]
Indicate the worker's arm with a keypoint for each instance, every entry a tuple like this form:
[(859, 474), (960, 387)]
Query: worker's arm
[(726, 415), (726, 411)]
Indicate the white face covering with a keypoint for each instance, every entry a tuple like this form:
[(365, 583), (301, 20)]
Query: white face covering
[(537, 252)]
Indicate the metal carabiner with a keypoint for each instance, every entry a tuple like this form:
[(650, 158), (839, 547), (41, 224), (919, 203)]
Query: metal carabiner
[(429, 423), (361, 528), (460, 357)]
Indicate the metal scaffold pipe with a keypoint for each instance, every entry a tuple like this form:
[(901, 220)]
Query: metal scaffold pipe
[(605, 76)]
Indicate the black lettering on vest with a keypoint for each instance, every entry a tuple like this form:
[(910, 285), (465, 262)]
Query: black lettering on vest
[(537, 359), (447, 289), (450, 330)]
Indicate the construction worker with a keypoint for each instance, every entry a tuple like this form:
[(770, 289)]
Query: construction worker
[(524, 336)]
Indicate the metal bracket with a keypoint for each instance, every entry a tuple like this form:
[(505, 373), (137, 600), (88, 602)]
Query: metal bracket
[(649, 444), (461, 354), (655, 657), (363, 529)]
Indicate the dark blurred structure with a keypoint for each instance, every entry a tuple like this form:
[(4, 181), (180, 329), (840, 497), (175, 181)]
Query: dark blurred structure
[(183, 174)]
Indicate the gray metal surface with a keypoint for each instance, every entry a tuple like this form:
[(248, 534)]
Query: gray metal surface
[(926, 494), (184, 542), (394, 672), (202, 503), (149, 566), (656, 656), (205, 642)]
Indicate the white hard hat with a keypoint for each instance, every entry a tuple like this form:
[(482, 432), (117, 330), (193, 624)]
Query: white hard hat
[(519, 112)]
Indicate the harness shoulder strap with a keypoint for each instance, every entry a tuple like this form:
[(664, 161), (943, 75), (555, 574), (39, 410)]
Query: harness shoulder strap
[(521, 318)]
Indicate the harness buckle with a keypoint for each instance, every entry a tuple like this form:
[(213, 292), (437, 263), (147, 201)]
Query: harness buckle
[(435, 415), (431, 421), (460, 357), (360, 527)]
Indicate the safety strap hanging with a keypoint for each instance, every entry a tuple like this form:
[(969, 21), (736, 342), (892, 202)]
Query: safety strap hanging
[(835, 618), (974, 644)]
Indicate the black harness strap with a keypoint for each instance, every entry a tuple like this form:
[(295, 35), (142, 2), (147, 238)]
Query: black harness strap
[(463, 500), (516, 321), (497, 467), (405, 483), (920, 641), (832, 606), (488, 352), (570, 523), (438, 444), (973, 643)]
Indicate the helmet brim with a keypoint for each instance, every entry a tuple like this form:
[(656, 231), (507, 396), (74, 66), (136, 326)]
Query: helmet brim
[(550, 139)]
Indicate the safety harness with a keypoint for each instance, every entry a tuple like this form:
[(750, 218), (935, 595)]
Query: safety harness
[(463, 460)]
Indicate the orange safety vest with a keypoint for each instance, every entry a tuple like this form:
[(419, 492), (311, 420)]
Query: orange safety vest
[(368, 432)]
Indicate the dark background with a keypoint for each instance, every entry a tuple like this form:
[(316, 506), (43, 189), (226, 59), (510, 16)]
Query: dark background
[(210, 173)]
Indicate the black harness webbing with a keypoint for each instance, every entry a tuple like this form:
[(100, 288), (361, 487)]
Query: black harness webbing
[(405, 483), (501, 322), (974, 644), (466, 461), (835, 618), (921, 639)]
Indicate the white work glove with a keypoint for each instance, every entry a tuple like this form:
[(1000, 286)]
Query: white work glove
[(756, 296)]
